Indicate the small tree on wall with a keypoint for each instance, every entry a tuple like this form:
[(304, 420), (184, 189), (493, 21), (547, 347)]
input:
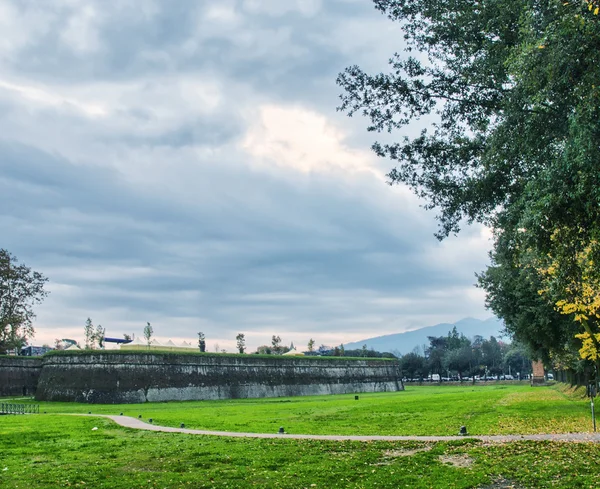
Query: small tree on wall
[(201, 342), (311, 345), (241, 342), (276, 342), (148, 332), (99, 336), (88, 333)]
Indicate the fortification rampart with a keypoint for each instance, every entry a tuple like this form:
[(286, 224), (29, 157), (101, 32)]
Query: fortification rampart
[(19, 375), (104, 377)]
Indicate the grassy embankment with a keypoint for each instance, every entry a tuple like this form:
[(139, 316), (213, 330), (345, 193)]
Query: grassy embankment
[(49, 451)]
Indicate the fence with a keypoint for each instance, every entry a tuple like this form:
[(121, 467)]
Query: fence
[(11, 408)]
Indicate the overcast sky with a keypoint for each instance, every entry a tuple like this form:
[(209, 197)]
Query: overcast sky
[(182, 162)]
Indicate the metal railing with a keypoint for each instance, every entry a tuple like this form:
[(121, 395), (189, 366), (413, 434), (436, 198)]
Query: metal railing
[(12, 408)]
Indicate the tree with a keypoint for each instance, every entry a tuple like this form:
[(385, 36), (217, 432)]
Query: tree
[(513, 283), (311, 345), (148, 332), (492, 355), (413, 365), (453, 361), (276, 345), (20, 290), (202, 342), (88, 334), (99, 336), (579, 292), (241, 342), (515, 143), (438, 346), (517, 360)]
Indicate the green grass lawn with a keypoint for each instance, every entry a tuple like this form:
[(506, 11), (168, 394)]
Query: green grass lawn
[(52, 450), (420, 410)]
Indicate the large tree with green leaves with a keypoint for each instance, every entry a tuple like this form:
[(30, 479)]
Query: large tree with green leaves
[(512, 89), (20, 290)]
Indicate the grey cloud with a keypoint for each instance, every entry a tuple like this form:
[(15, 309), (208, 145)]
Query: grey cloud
[(151, 212), (203, 263)]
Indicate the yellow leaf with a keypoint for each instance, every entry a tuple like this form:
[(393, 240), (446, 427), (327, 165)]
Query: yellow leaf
[(596, 10)]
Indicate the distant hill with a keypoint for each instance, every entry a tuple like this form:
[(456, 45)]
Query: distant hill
[(406, 342)]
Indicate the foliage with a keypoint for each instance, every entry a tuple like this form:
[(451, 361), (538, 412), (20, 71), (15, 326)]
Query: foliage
[(276, 347), (148, 332), (20, 290), (362, 352), (99, 336), (514, 89), (413, 366), (581, 289), (457, 355), (201, 342), (593, 6), (241, 342), (88, 334), (513, 283), (311, 345)]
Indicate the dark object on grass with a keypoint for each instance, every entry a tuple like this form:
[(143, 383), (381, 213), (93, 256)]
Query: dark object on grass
[(139, 416), (356, 398), (463, 431), (149, 420), (121, 414), (89, 412), (281, 430), (182, 425)]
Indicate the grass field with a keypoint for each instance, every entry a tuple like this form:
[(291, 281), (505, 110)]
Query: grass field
[(51, 451), (420, 410)]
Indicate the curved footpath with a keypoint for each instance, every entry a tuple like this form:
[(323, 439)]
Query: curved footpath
[(129, 422)]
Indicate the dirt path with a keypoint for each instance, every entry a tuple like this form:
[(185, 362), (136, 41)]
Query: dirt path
[(138, 424)]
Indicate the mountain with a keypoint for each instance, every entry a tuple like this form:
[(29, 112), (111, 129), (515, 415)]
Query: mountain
[(406, 342)]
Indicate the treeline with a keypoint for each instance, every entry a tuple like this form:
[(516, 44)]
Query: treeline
[(456, 356)]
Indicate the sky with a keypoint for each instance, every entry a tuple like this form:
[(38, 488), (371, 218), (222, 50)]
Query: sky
[(183, 163)]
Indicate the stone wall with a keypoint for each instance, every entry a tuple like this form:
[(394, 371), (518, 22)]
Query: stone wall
[(132, 378), (19, 375)]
